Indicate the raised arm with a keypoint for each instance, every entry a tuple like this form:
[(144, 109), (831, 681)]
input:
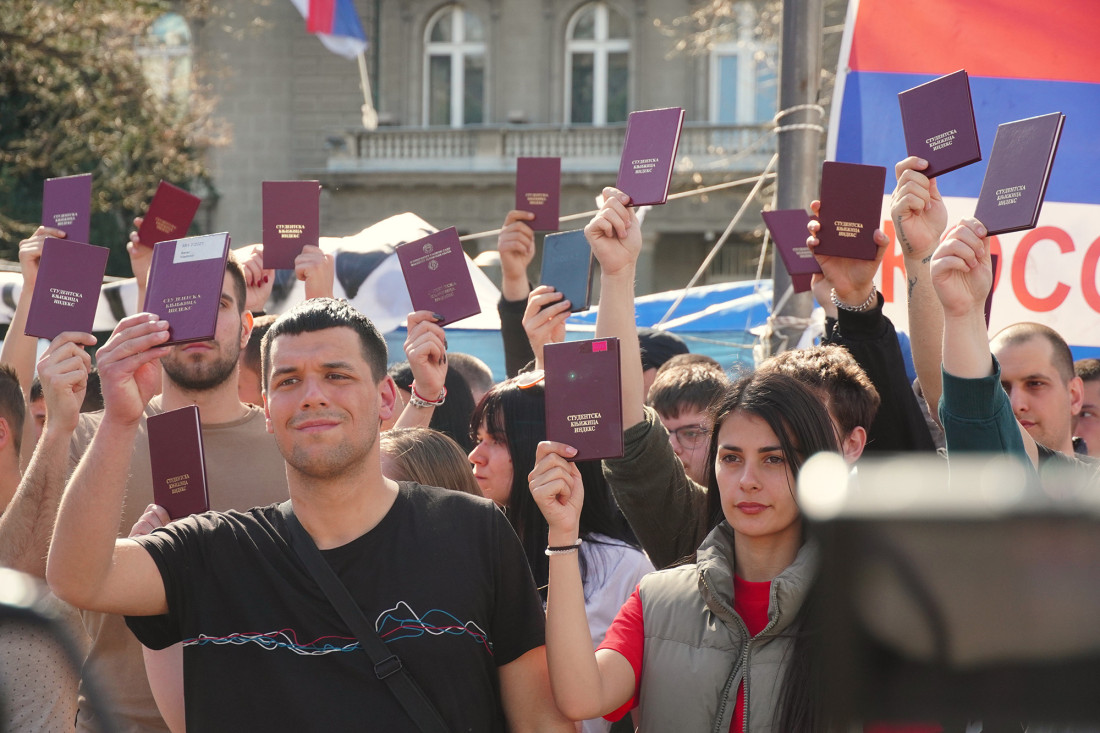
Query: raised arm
[(315, 268), (616, 239), (975, 411), (87, 566), (544, 319), (586, 684), (516, 245), (26, 525), (258, 281), (141, 258), (426, 350), (920, 219), (869, 337), (19, 349)]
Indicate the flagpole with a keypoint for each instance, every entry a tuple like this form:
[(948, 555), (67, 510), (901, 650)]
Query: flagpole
[(370, 116)]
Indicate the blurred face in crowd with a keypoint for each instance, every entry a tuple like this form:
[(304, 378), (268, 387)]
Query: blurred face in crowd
[(492, 465), (1087, 423), (203, 365), (689, 434), (1042, 400)]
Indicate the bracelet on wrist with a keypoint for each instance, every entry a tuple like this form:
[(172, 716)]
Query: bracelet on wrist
[(564, 549), (418, 400), (864, 306)]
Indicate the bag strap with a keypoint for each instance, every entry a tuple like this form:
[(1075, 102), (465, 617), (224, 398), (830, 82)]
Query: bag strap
[(387, 666)]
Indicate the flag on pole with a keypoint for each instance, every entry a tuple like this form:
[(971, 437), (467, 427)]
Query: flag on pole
[(336, 23), (1023, 60)]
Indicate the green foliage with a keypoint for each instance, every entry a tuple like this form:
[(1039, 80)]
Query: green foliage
[(73, 99)]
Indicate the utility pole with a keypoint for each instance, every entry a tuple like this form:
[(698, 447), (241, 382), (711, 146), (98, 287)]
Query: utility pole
[(799, 135)]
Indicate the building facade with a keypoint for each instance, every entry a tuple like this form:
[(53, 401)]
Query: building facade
[(462, 89)]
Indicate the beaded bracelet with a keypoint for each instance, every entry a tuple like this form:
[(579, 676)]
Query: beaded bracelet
[(564, 549), (864, 306), (418, 400)]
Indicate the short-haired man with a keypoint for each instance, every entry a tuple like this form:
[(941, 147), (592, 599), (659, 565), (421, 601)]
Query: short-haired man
[(1037, 373), (438, 574), (250, 387), (244, 469), (1086, 424), (682, 395), (476, 372)]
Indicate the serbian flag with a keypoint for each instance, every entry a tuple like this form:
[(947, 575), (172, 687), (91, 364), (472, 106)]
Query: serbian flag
[(336, 23), (1024, 59)]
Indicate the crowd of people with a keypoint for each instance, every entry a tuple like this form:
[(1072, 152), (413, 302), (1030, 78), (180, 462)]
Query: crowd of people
[(399, 546)]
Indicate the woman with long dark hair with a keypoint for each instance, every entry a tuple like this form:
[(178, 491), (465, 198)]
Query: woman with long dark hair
[(508, 425), (718, 644)]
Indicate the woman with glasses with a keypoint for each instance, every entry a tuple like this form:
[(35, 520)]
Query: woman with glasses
[(507, 426)]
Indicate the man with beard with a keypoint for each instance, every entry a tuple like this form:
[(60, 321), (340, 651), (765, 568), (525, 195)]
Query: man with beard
[(244, 469)]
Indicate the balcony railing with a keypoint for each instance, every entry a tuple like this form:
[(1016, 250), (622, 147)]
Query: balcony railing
[(582, 149)]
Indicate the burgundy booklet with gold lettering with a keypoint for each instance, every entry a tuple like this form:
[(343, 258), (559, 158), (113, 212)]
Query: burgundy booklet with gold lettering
[(438, 276), (538, 190), (179, 466), (649, 155), (67, 205), (169, 215), (292, 219), (938, 120), (1016, 178), (789, 232), (66, 291), (851, 209), (185, 285), (584, 405)]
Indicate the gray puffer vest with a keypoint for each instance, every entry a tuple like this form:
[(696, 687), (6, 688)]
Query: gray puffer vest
[(697, 650)]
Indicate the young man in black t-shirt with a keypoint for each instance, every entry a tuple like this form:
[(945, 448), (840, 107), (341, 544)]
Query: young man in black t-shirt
[(439, 574)]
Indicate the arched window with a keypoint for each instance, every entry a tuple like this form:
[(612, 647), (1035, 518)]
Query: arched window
[(597, 65), (454, 69), (165, 53), (744, 79)]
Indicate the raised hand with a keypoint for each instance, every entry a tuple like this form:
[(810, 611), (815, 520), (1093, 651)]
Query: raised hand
[(141, 256), (962, 271), (63, 371), (426, 350), (917, 209), (544, 319), (516, 244), (558, 491), (30, 252), (129, 367), (615, 234), (851, 278), (316, 269), (258, 281)]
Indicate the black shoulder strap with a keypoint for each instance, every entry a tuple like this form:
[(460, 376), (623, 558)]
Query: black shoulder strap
[(387, 666)]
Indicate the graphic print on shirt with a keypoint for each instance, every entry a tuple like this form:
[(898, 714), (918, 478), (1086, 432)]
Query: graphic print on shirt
[(399, 622)]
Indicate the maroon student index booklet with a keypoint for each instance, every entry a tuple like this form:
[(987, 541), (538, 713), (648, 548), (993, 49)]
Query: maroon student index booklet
[(1015, 182), (649, 155), (66, 292), (169, 215), (177, 462), (789, 232), (938, 120), (438, 276), (185, 285), (538, 190), (851, 209), (291, 220), (67, 205), (584, 405)]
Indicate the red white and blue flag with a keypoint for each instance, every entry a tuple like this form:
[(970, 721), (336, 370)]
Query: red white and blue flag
[(1024, 59), (336, 23)]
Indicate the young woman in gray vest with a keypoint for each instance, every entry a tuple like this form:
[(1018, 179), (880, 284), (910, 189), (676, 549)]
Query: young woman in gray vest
[(717, 645)]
